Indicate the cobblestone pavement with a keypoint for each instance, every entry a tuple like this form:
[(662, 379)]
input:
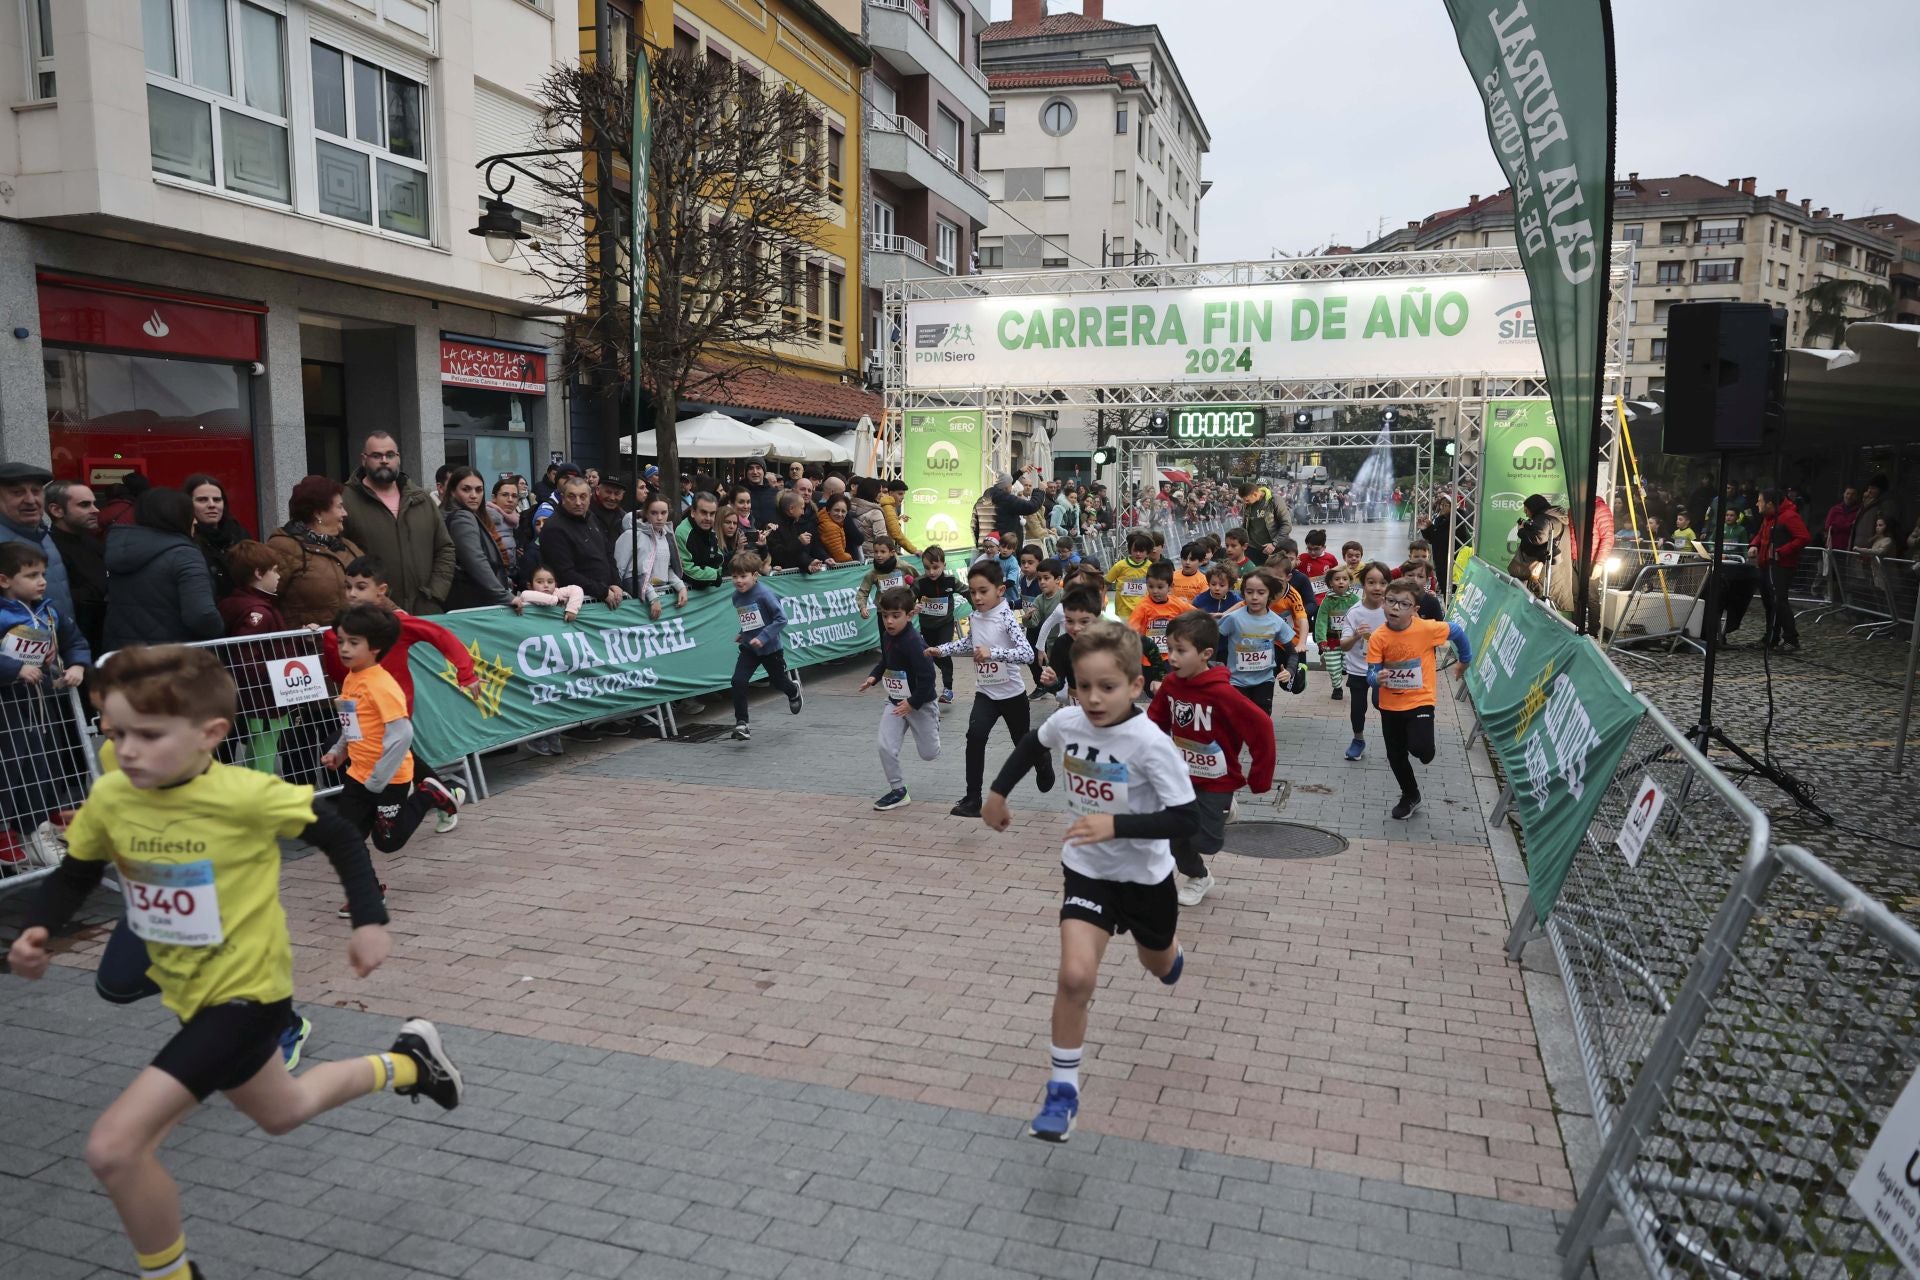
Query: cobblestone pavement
[(722, 1019)]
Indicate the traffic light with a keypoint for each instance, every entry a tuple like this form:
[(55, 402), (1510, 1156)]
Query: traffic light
[(1453, 447), (1101, 457)]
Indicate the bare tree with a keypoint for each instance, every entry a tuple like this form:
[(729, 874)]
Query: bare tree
[(1831, 305), (736, 200)]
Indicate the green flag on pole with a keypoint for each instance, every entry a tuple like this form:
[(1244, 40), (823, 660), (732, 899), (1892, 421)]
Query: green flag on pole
[(639, 166), (1544, 70)]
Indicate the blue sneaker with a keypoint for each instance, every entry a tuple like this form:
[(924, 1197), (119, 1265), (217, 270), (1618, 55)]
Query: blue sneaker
[(894, 799), (1055, 1121), (292, 1040), (1356, 748)]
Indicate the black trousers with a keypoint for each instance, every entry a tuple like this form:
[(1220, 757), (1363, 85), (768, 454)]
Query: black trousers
[(1017, 714), (1778, 587), (1407, 733), (946, 672), (390, 817), (751, 659), (1359, 692)]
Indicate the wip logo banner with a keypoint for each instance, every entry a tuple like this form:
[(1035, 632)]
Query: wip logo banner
[(943, 344), (1514, 323), (1535, 455), (295, 680)]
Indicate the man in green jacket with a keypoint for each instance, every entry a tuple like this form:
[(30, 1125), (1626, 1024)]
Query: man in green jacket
[(390, 517), (1262, 518), (703, 561)]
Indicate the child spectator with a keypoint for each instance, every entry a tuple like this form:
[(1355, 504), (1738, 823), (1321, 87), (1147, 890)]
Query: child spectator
[(1129, 578), (1332, 623), (544, 590), (906, 672), (376, 737), (1065, 551), (1210, 722), (1219, 597), (999, 648), (936, 591), (1400, 665), (762, 624), (1130, 795), (253, 608), (41, 649), (884, 573), (1254, 638), (1363, 619), (1079, 609), (1191, 580), (1317, 563)]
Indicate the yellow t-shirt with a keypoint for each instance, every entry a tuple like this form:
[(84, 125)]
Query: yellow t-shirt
[(1128, 578), (368, 700), (200, 867)]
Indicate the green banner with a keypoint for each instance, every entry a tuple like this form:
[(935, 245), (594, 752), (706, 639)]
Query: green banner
[(944, 457), (1519, 455), (539, 673), (1557, 717), (1544, 69)]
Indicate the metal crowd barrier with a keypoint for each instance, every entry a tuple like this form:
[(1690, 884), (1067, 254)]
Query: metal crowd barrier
[(1659, 604), (1747, 1128), (1880, 591), (47, 767)]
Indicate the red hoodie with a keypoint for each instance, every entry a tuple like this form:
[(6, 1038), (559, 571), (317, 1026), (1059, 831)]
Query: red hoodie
[(1210, 721), (412, 631)]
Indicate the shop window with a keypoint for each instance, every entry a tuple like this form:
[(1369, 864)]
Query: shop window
[(370, 146), (217, 95)]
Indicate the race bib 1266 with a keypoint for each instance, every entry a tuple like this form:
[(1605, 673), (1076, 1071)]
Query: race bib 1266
[(1095, 788)]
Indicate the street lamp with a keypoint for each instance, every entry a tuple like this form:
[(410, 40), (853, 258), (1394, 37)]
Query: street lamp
[(501, 230), (499, 225)]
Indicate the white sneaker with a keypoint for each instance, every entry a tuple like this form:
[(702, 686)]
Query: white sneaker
[(46, 846), (444, 822), (692, 706), (1193, 890)]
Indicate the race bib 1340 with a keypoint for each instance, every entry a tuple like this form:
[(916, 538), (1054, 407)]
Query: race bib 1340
[(172, 903)]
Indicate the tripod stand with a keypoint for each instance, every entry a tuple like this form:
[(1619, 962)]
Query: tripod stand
[(1705, 734)]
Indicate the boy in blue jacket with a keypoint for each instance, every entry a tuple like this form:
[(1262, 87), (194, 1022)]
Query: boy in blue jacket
[(906, 671), (761, 625), (41, 649)]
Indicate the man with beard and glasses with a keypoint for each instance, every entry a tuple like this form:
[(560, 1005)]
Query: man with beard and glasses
[(390, 517)]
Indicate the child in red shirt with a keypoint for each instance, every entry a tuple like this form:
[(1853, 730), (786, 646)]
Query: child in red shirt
[(1317, 563)]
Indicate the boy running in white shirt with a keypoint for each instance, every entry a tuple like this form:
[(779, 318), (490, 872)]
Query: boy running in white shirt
[(999, 647), (1129, 789)]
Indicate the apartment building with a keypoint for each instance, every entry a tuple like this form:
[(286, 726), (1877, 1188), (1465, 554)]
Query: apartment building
[(1904, 279), (234, 237), (1093, 154), (926, 107), (815, 46), (1695, 240)]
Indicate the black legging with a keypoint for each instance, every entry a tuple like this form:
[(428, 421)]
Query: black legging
[(1016, 711), (946, 672), (1407, 733), (1358, 692)]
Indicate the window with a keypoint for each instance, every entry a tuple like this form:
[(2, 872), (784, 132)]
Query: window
[(947, 27), (1660, 310), (790, 283), (947, 139), (816, 285), (1673, 233), (1659, 349), (836, 322), (1630, 345), (40, 48), (370, 148), (836, 163), (1671, 273), (993, 255), (996, 116), (1057, 117), (811, 154), (1786, 238), (685, 43), (1059, 184), (1636, 272), (1720, 231), (620, 40), (217, 95), (1633, 233), (1120, 120), (1119, 186), (1783, 277), (884, 100), (996, 180), (946, 253), (1140, 139), (1721, 270), (1139, 201), (1054, 251)]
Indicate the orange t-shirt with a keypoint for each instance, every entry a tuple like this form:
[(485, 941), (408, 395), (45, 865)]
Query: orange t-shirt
[(1188, 586), (1293, 604), (368, 700), (1151, 620), (1406, 663)]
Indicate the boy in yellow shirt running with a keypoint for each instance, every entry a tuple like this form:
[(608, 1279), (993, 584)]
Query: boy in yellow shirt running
[(1128, 578), (196, 845)]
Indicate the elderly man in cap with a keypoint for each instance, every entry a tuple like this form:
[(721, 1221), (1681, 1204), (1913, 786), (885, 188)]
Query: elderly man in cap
[(609, 497), (23, 513)]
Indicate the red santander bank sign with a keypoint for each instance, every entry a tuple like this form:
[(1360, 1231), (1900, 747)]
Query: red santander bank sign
[(476, 364)]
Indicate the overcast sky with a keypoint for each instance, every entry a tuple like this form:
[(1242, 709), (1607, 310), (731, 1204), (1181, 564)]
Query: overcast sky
[(1328, 119)]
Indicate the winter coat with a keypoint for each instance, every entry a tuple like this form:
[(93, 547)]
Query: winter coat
[(214, 544), (313, 579), (40, 538), (480, 567), (871, 519), (251, 612), (764, 494), (840, 542), (414, 546), (658, 558), (1782, 536), (890, 508), (576, 552), (1010, 511), (703, 561), (158, 589), (85, 559)]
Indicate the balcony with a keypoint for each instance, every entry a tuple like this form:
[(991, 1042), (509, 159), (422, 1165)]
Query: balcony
[(901, 31), (898, 258), (898, 150)]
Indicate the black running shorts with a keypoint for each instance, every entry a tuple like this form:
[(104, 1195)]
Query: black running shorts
[(225, 1045), (1150, 912)]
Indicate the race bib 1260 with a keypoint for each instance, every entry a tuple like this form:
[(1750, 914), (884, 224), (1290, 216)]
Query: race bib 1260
[(1095, 788), (750, 618), (172, 903)]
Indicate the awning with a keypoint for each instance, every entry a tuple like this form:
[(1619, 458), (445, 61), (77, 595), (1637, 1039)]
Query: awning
[(711, 435), (810, 401)]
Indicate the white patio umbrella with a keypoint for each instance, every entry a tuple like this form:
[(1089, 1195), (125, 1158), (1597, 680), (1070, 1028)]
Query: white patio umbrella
[(796, 443), (710, 435)]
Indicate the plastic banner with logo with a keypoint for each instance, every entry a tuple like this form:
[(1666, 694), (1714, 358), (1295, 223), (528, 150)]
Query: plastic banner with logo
[(1556, 716), (539, 673), (943, 456), (1520, 455), (1296, 330)]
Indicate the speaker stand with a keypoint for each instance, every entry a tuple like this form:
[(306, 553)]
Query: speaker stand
[(1705, 733)]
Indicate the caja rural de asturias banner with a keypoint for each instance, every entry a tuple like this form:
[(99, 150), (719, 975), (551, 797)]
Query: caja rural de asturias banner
[(1556, 716), (1519, 456), (539, 673), (943, 455)]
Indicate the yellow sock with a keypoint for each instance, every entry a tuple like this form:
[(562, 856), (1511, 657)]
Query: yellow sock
[(393, 1071), (168, 1264)]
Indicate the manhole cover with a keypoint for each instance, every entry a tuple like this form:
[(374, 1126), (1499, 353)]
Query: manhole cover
[(1282, 840), (698, 733)]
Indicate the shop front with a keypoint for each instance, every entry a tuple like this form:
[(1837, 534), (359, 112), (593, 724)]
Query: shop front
[(491, 395), (151, 380)]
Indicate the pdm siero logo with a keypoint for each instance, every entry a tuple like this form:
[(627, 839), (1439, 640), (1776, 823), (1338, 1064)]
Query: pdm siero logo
[(941, 343), (1515, 323)]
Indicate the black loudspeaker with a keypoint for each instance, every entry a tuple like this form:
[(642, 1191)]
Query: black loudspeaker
[(1721, 375)]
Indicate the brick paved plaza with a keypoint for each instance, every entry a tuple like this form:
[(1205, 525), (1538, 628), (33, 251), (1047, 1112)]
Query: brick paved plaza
[(718, 1018)]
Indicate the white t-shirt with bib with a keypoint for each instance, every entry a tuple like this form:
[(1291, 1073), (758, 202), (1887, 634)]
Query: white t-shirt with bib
[(1359, 616), (1131, 767)]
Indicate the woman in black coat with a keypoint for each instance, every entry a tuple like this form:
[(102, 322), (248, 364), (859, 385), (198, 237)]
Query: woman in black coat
[(159, 590), (480, 574), (214, 529)]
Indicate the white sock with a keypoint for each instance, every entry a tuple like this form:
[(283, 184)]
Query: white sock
[(1066, 1066)]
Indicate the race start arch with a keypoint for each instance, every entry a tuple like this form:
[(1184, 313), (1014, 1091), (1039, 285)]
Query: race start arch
[(1450, 330)]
